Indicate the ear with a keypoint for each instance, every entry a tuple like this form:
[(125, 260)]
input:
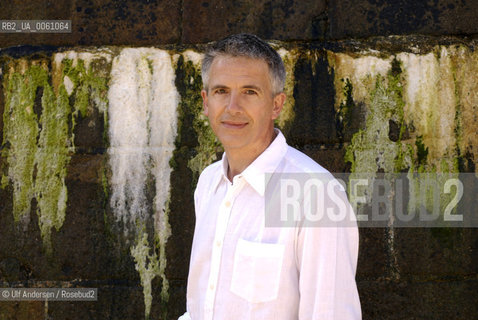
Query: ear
[(279, 100), (204, 102)]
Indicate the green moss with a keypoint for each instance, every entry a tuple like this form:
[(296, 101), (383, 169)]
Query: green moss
[(422, 151), (38, 148), (89, 85), (51, 159), (191, 105), (287, 115), (371, 148), (148, 267), (21, 131), (344, 112)]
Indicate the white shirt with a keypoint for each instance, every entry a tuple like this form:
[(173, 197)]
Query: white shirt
[(241, 269)]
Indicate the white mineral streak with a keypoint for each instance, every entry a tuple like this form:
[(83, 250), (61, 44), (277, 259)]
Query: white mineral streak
[(430, 101), (467, 95), (437, 84), (361, 72), (142, 128), (194, 57), (87, 57), (69, 86)]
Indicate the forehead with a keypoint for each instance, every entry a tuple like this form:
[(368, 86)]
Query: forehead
[(228, 68)]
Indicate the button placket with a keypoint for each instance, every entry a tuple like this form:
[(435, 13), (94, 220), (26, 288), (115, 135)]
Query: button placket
[(221, 227)]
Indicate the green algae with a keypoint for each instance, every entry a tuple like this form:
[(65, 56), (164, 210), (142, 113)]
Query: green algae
[(51, 158), (20, 133), (287, 115), (208, 145), (344, 112), (38, 138), (371, 148), (148, 267)]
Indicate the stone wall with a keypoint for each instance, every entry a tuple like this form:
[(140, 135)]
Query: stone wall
[(103, 140)]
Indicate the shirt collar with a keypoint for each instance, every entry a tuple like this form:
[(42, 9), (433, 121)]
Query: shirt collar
[(266, 162)]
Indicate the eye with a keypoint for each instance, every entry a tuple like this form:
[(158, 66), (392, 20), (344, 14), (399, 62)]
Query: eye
[(220, 91), (250, 92)]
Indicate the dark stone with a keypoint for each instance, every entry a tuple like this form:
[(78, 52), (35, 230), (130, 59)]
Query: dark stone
[(330, 157), (16, 310), (89, 133), (279, 20), (177, 298), (393, 130), (374, 258), (394, 300), (366, 18), (183, 181), (314, 96), (436, 253), (86, 168), (110, 305), (96, 23)]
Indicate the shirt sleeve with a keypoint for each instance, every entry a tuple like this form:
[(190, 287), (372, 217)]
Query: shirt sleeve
[(327, 261), (185, 317)]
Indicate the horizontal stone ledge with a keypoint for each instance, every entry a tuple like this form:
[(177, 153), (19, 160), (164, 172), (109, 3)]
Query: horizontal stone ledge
[(384, 45)]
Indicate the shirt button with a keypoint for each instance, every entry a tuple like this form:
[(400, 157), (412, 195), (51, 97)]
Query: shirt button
[(228, 204), (218, 243), (211, 287)]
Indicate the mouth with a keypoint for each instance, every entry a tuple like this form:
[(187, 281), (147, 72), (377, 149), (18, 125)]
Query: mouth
[(234, 124)]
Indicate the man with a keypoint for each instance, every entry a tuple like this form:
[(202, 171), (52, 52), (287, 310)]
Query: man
[(241, 269)]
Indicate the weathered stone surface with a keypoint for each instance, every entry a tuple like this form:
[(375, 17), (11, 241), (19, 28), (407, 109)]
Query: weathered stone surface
[(177, 298), (374, 257), (419, 300), (183, 182), (89, 133), (209, 20), (330, 157), (86, 168), (110, 305), (126, 22), (436, 252), (34, 310), (97, 22), (314, 93), (367, 18)]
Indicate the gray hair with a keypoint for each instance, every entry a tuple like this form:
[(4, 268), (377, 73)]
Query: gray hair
[(250, 46)]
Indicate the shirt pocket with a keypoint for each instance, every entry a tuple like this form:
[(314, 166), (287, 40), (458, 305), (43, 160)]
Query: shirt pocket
[(256, 271)]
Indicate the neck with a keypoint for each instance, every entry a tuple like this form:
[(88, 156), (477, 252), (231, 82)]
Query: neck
[(238, 160)]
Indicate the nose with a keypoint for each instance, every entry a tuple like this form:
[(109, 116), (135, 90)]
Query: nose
[(234, 103)]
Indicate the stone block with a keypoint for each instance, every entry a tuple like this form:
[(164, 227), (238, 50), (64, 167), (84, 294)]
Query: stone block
[(367, 18), (110, 305), (86, 168), (329, 157), (177, 298), (96, 23), (314, 96), (209, 20), (436, 253), (374, 256), (18, 310), (394, 300), (127, 22)]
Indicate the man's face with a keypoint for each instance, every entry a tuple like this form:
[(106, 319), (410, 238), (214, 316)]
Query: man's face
[(240, 105)]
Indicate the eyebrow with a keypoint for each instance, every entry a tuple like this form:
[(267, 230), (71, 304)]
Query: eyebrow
[(247, 86)]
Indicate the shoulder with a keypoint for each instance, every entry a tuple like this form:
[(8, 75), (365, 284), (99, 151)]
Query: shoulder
[(296, 161), (210, 174)]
